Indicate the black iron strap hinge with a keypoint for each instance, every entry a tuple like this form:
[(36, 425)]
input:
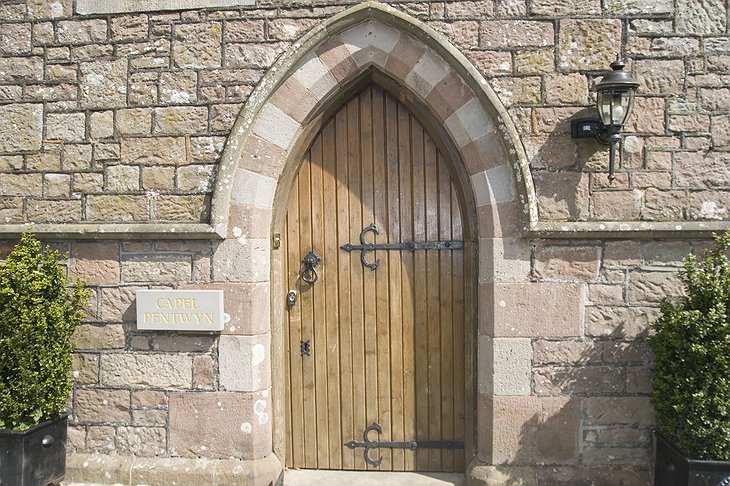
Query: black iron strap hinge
[(369, 444), (365, 247)]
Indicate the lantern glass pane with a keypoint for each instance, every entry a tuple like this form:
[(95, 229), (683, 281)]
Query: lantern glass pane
[(614, 106)]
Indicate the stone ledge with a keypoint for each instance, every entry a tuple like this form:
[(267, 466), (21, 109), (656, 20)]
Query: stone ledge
[(125, 470), (88, 7), (644, 230), (121, 231)]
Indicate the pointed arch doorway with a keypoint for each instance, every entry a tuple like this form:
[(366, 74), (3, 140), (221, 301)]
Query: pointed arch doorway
[(381, 345)]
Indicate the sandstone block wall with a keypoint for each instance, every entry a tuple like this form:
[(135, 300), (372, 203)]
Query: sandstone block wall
[(109, 118), (122, 117)]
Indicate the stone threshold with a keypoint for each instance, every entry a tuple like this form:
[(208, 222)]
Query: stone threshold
[(313, 477)]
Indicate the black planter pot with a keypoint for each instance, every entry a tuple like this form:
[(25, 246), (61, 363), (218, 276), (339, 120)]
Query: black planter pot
[(673, 469), (34, 457)]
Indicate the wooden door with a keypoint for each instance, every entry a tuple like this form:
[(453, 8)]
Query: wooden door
[(379, 346)]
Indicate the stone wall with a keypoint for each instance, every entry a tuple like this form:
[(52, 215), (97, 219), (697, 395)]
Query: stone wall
[(82, 95), (123, 118)]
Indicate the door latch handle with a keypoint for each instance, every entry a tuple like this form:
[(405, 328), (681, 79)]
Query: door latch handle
[(291, 298)]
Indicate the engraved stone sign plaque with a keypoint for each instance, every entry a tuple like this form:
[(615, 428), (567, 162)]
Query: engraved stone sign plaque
[(180, 310)]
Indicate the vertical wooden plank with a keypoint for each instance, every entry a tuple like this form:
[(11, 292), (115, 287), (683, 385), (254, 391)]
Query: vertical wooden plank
[(369, 299), (420, 295), (318, 288), (307, 306), (356, 276), (409, 157), (287, 347), (295, 332), (331, 253), (344, 292), (432, 300), (459, 327), (381, 300), (445, 312), (395, 304)]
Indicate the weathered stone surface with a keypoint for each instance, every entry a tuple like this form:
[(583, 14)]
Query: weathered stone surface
[(197, 45), (129, 27), (181, 120), (619, 410), (92, 337), (85, 368), (101, 124), (634, 7), (518, 90), (243, 362), (157, 151), (158, 178), (664, 205), (565, 7), (193, 208), (242, 261), (701, 17), (94, 405), (567, 262), (581, 43), (709, 205), (203, 372), (104, 84), (178, 343), (220, 425), (562, 196), (714, 171), (580, 379), (566, 352), (197, 178), (117, 208), (503, 260), (530, 310), (658, 76), (619, 322), (653, 286), (21, 184), (616, 205), (244, 30), (149, 417), (158, 268), (122, 178), (96, 263), (530, 430), (21, 126), (17, 69), (149, 399), (134, 121), (15, 39), (516, 33), (179, 87), (141, 441), (53, 211), (509, 360), (152, 370), (81, 31)]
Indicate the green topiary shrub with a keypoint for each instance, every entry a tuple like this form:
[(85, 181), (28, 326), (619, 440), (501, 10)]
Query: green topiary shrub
[(38, 314), (691, 389)]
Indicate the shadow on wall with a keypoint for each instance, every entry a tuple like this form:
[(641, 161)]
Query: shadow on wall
[(562, 167), (589, 420)]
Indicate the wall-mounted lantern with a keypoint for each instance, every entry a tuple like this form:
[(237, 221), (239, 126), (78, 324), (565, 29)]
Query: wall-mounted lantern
[(614, 100)]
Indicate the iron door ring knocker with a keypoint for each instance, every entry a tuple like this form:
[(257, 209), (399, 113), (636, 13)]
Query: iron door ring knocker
[(308, 272)]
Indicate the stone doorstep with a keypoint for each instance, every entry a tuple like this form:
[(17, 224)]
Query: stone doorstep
[(300, 477), (102, 469)]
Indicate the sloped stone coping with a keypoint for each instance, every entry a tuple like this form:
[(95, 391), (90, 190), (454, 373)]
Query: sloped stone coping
[(628, 229), (128, 470), (91, 231)]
